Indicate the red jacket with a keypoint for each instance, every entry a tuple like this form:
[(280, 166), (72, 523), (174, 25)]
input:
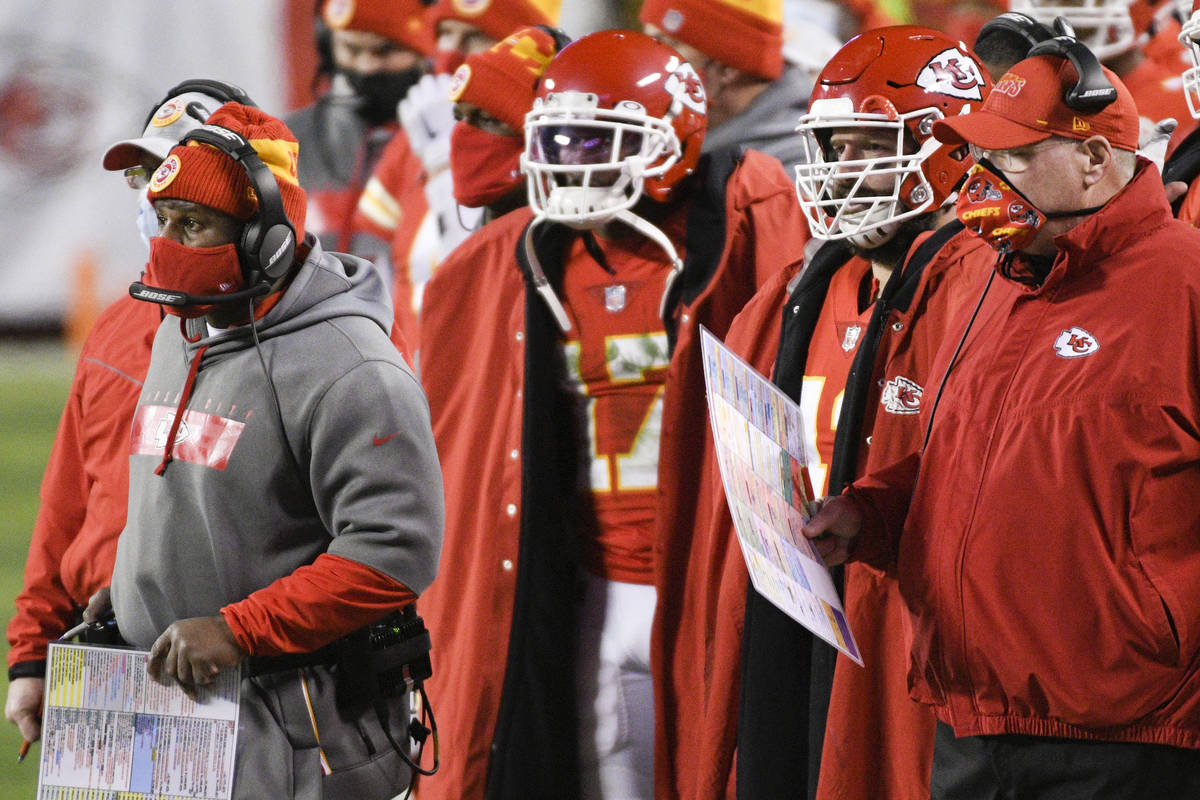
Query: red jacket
[(878, 743), (473, 366), (86, 483), (1050, 558), (700, 624), (392, 210)]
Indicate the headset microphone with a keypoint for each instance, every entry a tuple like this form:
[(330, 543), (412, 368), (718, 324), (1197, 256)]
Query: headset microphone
[(170, 297)]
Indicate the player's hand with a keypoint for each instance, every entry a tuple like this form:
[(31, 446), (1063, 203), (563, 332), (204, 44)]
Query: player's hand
[(1153, 138), (99, 606), (427, 116), (23, 706), (833, 527), (192, 651)]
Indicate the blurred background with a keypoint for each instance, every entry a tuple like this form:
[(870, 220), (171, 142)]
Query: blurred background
[(75, 77)]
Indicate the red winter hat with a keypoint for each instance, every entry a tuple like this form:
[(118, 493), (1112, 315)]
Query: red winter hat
[(745, 34), (496, 18), (200, 173), (500, 81), (1026, 106), (401, 21)]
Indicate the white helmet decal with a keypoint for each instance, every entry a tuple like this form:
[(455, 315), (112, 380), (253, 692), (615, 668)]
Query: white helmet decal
[(952, 73)]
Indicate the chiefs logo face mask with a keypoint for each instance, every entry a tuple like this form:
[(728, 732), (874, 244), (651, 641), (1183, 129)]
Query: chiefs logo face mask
[(991, 208), (195, 270)]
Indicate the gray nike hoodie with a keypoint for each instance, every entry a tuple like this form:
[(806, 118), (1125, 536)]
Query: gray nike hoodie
[(327, 449)]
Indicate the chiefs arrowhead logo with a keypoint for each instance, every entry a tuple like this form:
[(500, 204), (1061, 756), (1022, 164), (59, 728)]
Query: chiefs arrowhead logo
[(901, 396), (952, 72), (1075, 343)]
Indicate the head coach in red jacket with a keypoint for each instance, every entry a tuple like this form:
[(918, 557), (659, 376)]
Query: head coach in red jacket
[(1050, 556)]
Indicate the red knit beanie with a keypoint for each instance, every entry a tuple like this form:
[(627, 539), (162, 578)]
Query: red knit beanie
[(500, 81), (745, 34), (203, 174), (401, 21), (496, 18)]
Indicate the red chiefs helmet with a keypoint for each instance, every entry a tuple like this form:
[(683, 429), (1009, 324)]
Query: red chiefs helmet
[(616, 114), (897, 81)]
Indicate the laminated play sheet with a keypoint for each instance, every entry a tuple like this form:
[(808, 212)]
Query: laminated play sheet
[(759, 435), (111, 733)]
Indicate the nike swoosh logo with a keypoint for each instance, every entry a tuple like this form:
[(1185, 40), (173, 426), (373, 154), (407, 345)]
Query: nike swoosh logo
[(378, 440)]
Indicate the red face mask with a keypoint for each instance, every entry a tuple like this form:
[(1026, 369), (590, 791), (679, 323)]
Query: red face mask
[(445, 62), (194, 270), (484, 166), (994, 210)]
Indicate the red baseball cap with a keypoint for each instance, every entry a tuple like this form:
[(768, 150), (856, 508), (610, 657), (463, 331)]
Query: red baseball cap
[(1026, 106)]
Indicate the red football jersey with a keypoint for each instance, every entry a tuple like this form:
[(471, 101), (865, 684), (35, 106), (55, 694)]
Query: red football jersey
[(840, 328), (617, 357)]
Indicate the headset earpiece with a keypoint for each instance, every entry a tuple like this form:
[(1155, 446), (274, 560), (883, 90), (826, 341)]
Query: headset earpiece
[(1093, 91), (268, 243), (1022, 25), (560, 37)]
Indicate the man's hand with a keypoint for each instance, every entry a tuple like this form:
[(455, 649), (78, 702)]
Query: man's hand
[(192, 651), (99, 606), (1153, 138), (833, 528), (23, 706)]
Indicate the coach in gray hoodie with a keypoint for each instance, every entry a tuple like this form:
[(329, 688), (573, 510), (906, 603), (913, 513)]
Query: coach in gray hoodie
[(284, 487)]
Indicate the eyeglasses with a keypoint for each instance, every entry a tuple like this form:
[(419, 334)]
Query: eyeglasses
[(137, 177), (1015, 159)]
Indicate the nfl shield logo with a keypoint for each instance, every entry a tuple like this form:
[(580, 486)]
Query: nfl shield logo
[(614, 298), (851, 338)]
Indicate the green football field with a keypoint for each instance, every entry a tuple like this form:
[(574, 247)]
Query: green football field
[(34, 379)]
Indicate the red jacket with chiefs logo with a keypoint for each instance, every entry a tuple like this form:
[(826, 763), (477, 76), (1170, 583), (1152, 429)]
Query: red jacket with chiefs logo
[(870, 710), (1051, 556), (491, 363)]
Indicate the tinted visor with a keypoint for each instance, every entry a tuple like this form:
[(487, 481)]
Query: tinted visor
[(585, 145)]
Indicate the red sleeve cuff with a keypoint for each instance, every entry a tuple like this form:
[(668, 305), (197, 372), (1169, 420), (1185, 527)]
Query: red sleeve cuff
[(313, 606)]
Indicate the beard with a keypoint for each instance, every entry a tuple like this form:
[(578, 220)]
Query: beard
[(895, 249)]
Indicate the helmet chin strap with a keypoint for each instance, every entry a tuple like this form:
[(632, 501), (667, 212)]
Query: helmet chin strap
[(540, 282), (654, 234), (870, 239), (642, 226)]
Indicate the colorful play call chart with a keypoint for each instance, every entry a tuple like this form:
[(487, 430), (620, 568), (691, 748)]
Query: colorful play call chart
[(759, 435), (111, 733)]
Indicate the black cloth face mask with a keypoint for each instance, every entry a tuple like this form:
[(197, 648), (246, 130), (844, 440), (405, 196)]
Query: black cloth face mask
[(379, 93)]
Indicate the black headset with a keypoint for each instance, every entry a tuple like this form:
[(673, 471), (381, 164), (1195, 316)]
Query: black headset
[(267, 245), (225, 92), (1093, 91), (1022, 26), (268, 242), (560, 37)]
